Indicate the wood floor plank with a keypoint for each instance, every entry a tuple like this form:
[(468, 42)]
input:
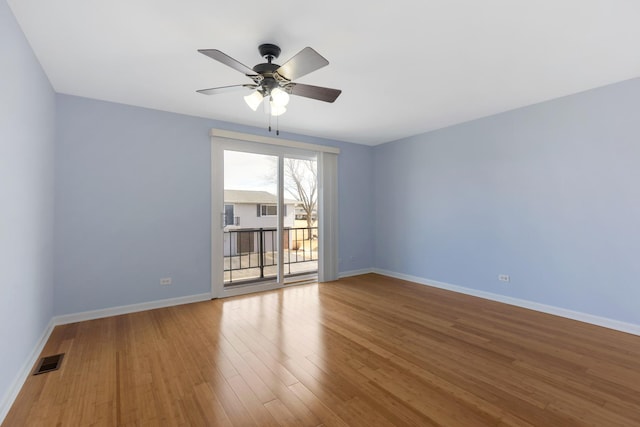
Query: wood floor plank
[(315, 405), (254, 406), (281, 413), (362, 351)]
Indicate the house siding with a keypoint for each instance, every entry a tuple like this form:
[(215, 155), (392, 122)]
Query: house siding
[(249, 219)]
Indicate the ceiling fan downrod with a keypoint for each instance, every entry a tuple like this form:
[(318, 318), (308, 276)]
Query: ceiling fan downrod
[(269, 51)]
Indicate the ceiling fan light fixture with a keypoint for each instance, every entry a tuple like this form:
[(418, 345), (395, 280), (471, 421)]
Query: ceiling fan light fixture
[(277, 110), (254, 100), (279, 97)]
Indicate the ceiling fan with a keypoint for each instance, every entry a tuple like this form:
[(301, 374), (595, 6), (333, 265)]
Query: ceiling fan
[(273, 81)]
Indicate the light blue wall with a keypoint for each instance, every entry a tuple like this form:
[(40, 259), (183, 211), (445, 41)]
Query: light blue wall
[(26, 201), (133, 204), (549, 194)]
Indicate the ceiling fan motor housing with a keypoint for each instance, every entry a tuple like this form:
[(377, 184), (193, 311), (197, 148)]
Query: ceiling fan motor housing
[(267, 70), (269, 51)]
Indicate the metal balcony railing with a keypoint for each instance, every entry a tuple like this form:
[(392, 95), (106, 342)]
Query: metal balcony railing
[(251, 253)]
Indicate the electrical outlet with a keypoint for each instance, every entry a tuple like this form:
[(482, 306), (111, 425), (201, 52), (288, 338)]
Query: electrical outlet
[(504, 278), (165, 281)]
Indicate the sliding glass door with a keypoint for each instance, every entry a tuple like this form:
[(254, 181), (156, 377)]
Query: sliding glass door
[(265, 218), (301, 236), (250, 218)]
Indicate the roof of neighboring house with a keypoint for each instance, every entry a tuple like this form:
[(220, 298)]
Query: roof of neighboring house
[(248, 196)]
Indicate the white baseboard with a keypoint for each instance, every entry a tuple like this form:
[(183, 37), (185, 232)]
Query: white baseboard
[(125, 309), (355, 273), (549, 309), (25, 371)]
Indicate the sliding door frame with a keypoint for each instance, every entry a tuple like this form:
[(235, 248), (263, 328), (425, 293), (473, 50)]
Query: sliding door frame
[(326, 156)]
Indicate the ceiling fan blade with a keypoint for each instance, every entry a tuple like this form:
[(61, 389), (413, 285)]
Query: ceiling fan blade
[(227, 60), (314, 92), (223, 89), (304, 62)]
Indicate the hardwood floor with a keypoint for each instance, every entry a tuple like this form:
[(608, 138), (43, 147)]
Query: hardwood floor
[(363, 351)]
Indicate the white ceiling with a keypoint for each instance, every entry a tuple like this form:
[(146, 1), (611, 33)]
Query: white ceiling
[(404, 66)]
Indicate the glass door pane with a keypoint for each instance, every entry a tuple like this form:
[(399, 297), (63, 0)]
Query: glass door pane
[(301, 217), (250, 234)]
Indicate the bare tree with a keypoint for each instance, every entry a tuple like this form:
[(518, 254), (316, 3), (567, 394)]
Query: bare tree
[(301, 181)]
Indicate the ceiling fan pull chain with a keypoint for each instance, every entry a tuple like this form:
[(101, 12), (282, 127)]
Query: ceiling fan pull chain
[(277, 125)]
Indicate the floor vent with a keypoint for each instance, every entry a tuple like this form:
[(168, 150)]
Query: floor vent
[(48, 364)]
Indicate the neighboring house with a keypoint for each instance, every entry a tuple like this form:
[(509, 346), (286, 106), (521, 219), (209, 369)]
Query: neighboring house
[(252, 211), (301, 214)]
